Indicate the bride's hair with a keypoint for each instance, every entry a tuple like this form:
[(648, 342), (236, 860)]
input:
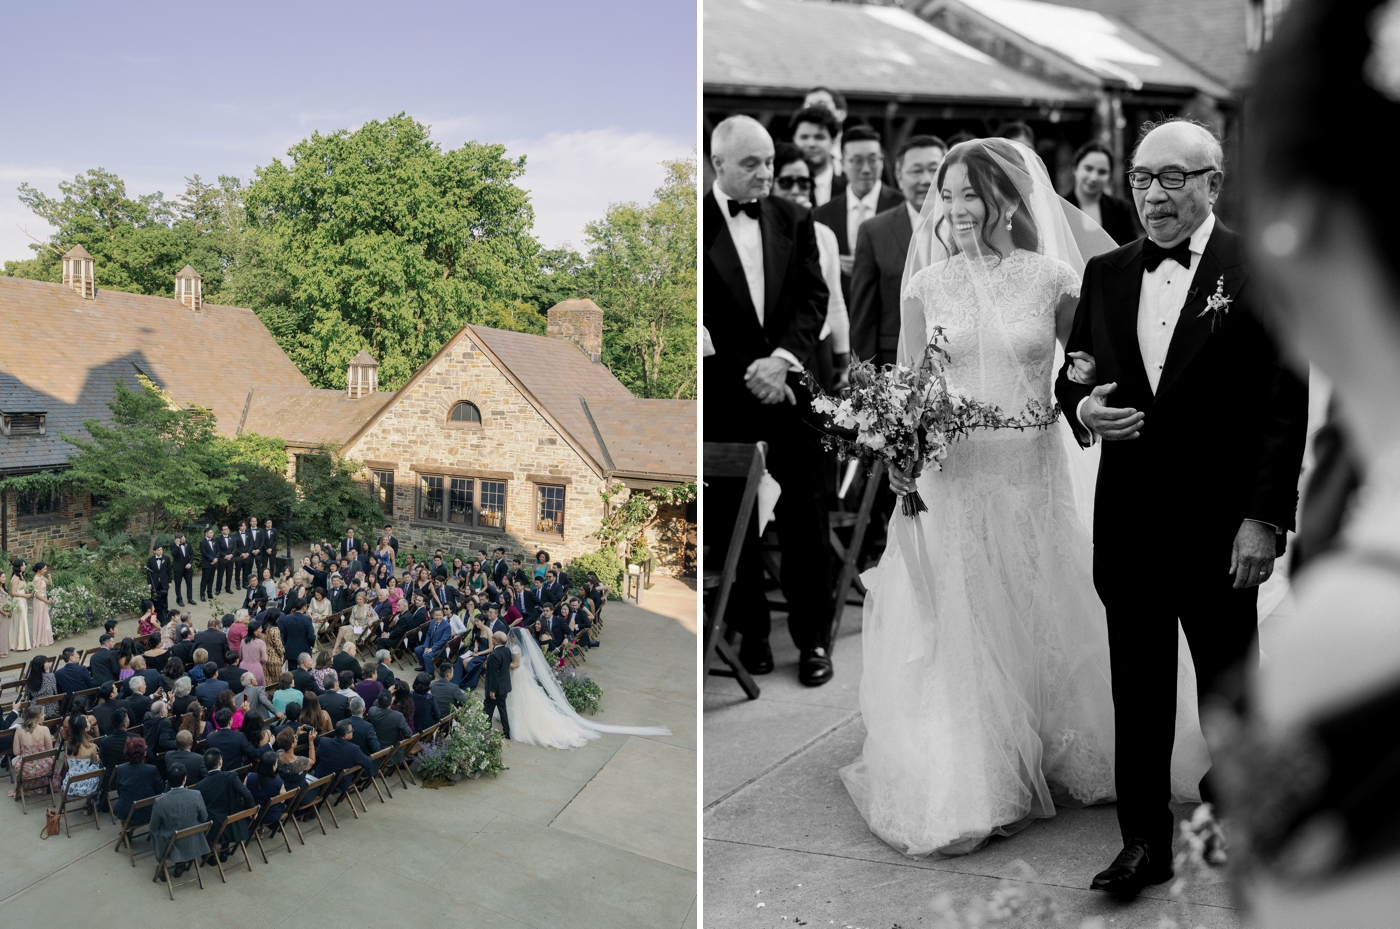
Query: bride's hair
[(996, 190)]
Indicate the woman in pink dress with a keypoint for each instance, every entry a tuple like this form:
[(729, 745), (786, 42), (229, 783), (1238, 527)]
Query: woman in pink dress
[(253, 652), (39, 612)]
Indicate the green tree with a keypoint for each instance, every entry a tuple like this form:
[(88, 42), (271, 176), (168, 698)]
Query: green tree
[(261, 465), (328, 496), (380, 239), (641, 271), (158, 466)]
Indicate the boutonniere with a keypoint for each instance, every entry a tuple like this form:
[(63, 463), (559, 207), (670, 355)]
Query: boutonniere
[(1217, 304)]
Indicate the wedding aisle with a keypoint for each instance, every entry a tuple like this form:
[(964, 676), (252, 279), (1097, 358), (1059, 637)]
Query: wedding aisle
[(784, 845)]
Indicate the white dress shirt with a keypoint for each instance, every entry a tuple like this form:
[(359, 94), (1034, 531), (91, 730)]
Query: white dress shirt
[(748, 242), (858, 210), (1163, 295), (821, 185), (838, 322), (913, 214)]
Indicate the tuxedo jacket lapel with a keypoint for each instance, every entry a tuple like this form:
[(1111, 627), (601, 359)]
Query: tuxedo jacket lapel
[(1221, 258), (1122, 292), (725, 257), (777, 247)]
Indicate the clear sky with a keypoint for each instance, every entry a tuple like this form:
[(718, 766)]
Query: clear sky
[(595, 94)]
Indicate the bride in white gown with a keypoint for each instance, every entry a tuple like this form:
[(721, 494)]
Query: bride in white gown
[(986, 694), (539, 712)]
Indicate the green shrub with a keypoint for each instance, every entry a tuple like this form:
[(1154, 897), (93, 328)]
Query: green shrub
[(605, 564), (582, 692), (471, 747)]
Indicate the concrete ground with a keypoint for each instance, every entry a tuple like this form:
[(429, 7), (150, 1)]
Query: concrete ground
[(603, 836), (785, 846)]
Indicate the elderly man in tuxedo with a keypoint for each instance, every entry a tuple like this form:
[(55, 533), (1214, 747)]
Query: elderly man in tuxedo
[(765, 302)]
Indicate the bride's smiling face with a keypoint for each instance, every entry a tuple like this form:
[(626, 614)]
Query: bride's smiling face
[(963, 208)]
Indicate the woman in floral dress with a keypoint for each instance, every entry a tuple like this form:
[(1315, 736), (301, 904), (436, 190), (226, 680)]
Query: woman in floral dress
[(276, 654), (43, 631), (32, 738), (81, 758)]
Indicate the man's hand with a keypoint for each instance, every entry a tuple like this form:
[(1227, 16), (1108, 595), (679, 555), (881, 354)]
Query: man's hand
[(1252, 558), (766, 379), (1108, 422)]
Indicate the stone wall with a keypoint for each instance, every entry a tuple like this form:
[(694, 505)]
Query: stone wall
[(513, 443), (30, 536), (579, 321), (672, 538)]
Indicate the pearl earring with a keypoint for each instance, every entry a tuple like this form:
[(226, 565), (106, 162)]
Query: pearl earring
[(1008, 220)]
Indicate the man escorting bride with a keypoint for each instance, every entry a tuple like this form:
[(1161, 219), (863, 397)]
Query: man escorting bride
[(988, 695)]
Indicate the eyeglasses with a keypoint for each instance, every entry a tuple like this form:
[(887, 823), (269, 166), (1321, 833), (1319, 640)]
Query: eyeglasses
[(801, 183), (861, 161), (1170, 180)]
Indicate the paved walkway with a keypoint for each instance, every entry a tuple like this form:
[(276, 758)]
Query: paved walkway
[(784, 845), (603, 836)]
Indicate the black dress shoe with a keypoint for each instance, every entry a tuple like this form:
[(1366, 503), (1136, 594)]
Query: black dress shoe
[(1137, 866), (814, 669), (756, 658)]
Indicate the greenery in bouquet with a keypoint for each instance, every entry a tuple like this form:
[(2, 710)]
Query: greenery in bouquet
[(909, 416), (582, 692), (469, 749)]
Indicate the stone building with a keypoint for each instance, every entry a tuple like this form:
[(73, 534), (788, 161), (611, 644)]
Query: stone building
[(502, 438)]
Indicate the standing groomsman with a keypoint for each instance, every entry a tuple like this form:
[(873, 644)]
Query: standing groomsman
[(208, 564), (255, 533), (228, 550), (243, 554), (269, 549), (349, 546), (158, 575), (182, 563)]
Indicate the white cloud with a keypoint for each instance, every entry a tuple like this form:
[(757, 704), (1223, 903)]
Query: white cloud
[(573, 176)]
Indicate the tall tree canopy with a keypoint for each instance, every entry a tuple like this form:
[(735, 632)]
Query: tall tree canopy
[(641, 270), (382, 240)]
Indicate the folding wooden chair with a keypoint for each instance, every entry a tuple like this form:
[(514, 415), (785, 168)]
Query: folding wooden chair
[(411, 640), (380, 761), (161, 865), (127, 831), (312, 798), (28, 784), (11, 672), (278, 825), (351, 790), (403, 767), (730, 460), (858, 522), (241, 845), (7, 748), (86, 694), (87, 803), (49, 701)]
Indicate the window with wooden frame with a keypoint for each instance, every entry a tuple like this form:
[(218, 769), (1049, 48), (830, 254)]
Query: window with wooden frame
[(430, 498), (39, 503), (467, 502), (465, 415), (381, 485), (549, 509)]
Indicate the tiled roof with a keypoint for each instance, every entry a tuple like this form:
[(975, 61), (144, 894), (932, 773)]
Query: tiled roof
[(786, 45), (651, 437), (68, 351), (308, 416), (554, 374)]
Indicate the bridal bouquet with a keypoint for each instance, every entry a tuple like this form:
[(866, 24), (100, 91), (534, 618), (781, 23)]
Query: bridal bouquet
[(909, 416)]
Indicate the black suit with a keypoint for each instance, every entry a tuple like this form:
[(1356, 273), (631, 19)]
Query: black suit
[(213, 641), (182, 570), (233, 745), (794, 301), (226, 545), (244, 550), (833, 214), (881, 249), (334, 755), (73, 677), (348, 546), (1118, 218), (133, 783), (498, 685), (225, 794), (158, 573), (336, 705), (159, 733), (365, 739), (298, 635), (193, 762), (184, 650), (208, 567), (1184, 486), (303, 681)]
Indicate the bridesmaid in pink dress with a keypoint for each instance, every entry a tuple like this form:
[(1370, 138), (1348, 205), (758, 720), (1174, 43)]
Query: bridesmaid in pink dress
[(39, 614)]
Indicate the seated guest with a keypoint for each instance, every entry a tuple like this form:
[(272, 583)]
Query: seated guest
[(193, 721), (368, 688), (105, 669), (157, 730), (184, 696), (177, 809), (256, 732), (192, 762), (312, 715), (264, 784), (347, 683), (156, 655), (291, 767), (345, 660), (106, 706), (480, 650), (325, 675), (390, 727), (232, 743), (212, 686), (224, 794), (365, 738), (231, 674), (111, 749), (335, 704), (382, 672), (447, 694), (237, 629), (434, 639), (184, 646), (285, 693), (137, 702), (197, 669), (303, 678), (253, 698), (136, 780), (403, 703), (425, 706), (336, 752), (72, 677)]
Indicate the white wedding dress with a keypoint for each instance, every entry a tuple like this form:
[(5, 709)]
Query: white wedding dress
[(539, 712)]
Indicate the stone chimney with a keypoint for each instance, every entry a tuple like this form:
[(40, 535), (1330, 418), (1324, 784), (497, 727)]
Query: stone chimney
[(189, 288), (581, 322), (362, 379), (77, 272)]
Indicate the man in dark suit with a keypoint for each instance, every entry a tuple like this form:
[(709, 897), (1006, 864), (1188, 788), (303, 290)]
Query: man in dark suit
[(336, 705), (389, 725), (499, 568), (336, 751), (231, 673), (259, 547), (362, 734), (158, 731), (269, 549), (349, 546), (393, 540), (182, 568), (438, 634), (213, 640), (764, 306), (243, 554), (192, 762), (1215, 490), (813, 129), (882, 245), (231, 742), (137, 703), (111, 750), (105, 708), (224, 794), (534, 600), (103, 662), (338, 594), (208, 565), (227, 547), (158, 574), (553, 590), (72, 677), (302, 678), (206, 692), (498, 680), (184, 648), (864, 197), (298, 633)]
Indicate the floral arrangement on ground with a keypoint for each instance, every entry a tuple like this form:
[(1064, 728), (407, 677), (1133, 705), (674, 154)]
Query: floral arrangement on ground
[(469, 749), (582, 692)]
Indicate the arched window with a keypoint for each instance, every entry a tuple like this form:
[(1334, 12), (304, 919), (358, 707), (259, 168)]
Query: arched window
[(465, 412)]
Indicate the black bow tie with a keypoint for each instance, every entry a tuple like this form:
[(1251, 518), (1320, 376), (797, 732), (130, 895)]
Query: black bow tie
[(1154, 254), (752, 208)]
